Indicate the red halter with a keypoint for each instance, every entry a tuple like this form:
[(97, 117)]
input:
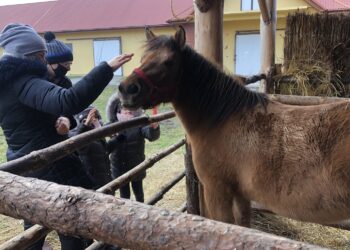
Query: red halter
[(156, 91)]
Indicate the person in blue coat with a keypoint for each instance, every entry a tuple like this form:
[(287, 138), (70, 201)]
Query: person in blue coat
[(30, 105)]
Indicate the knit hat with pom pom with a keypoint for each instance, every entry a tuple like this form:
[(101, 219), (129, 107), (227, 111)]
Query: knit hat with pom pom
[(57, 51)]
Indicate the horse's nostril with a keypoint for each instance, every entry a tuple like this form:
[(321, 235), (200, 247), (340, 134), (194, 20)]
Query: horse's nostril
[(121, 88), (133, 89)]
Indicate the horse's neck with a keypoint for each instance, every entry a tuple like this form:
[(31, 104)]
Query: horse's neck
[(200, 101), (188, 118)]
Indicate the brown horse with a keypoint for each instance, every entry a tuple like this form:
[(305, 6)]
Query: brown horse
[(294, 160)]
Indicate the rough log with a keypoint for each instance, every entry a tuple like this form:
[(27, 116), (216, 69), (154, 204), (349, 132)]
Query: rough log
[(159, 195), (99, 245), (265, 14), (76, 211), (40, 158), (305, 100), (268, 37), (23, 241), (204, 5), (128, 176), (183, 208), (27, 238), (192, 190), (208, 32)]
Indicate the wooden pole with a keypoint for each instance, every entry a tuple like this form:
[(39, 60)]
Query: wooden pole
[(40, 158), (92, 215), (268, 37), (265, 14), (209, 42), (305, 100), (27, 237), (128, 176), (23, 241), (192, 191), (208, 30), (159, 195), (183, 208)]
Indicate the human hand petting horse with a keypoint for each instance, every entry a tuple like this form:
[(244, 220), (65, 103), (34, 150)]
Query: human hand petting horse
[(294, 160)]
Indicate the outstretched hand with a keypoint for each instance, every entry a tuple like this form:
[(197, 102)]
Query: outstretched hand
[(91, 117), (118, 61), (62, 125)]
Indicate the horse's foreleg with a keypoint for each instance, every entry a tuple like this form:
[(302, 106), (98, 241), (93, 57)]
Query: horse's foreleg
[(219, 200), (241, 211)]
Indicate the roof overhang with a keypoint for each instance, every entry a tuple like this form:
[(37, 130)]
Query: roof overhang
[(253, 15)]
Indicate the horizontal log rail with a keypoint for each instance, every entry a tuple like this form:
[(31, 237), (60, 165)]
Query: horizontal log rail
[(97, 245), (159, 195), (305, 100), (43, 157), (128, 176), (27, 238), (93, 215), (182, 208)]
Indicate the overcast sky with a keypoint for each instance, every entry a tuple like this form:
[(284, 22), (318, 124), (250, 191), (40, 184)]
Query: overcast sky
[(11, 2)]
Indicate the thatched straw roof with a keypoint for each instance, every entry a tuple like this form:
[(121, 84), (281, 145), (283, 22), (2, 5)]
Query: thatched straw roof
[(316, 55)]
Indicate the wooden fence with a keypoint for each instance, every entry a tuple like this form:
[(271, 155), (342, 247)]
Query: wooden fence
[(111, 220)]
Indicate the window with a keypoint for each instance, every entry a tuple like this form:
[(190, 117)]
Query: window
[(247, 55), (249, 5), (106, 49)]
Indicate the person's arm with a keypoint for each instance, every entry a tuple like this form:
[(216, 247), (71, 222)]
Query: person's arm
[(46, 97), (151, 132), (114, 141)]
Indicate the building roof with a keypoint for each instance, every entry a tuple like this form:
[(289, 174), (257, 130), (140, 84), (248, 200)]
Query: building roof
[(331, 5), (87, 15)]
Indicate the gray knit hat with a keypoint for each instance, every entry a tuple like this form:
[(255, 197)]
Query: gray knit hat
[(20, 40), (57, 51)]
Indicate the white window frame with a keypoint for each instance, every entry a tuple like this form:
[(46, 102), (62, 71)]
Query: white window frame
[(254, 5), (97, 60)]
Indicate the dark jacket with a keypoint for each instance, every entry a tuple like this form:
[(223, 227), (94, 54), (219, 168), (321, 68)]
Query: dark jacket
[(30, 105), (94, 157), (128, 147), (63, 82)]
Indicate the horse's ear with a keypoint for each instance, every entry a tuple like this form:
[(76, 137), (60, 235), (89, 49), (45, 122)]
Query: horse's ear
[(180, 36), (149, 34)]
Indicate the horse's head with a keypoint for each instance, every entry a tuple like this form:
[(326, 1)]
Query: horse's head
[(156, 79)]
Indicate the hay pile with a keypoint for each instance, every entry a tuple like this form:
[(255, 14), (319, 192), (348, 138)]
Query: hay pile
[(328, 237), (316, 56)]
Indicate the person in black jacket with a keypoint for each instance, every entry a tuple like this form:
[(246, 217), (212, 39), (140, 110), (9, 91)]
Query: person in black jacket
[(59, 59), (95, 155), (128, 147), (30, 105)]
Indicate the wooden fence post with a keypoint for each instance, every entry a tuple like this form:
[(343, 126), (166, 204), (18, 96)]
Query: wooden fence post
[(208, 29), (191, 183), (268, 38)]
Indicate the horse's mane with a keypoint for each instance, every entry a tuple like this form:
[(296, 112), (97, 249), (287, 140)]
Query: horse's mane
[(213, 94), (216, 95)]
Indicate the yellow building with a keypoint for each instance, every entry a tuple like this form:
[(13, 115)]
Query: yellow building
[(99, 29)]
